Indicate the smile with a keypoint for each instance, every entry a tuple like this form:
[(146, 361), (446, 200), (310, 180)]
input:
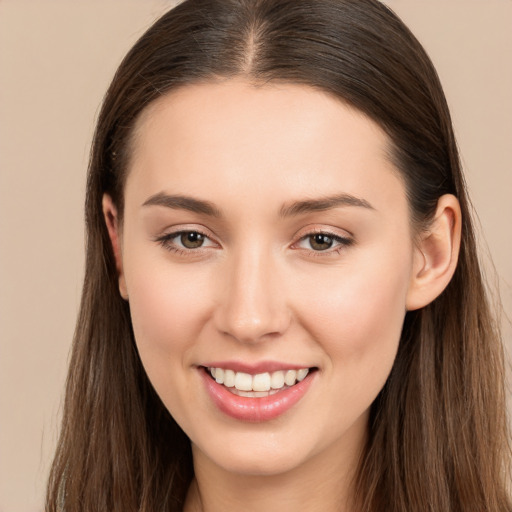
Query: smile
[(256, 397), (259, 385)]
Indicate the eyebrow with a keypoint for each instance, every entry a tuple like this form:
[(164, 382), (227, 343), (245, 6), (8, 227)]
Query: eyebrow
[(181, 202), (192, 204), (322, 204)]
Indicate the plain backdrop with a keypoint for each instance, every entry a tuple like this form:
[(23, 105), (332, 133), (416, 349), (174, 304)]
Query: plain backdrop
[(56, 61)]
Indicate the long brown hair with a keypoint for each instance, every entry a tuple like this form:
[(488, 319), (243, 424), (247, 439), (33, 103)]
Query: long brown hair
[(438, 436)]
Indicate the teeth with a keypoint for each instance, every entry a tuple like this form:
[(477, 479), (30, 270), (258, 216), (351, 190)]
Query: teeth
[(277, 380), (219, 375), (301, 374), (243, 381), (290, 377), (229, 378), (261, 382)]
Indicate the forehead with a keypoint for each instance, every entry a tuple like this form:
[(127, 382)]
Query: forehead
[(279, 140)]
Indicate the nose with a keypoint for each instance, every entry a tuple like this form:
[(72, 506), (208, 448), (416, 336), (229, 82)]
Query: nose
[(252, 305)]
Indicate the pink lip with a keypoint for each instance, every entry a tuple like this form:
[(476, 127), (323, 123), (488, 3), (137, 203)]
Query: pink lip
[(252, 409), (253, 368)]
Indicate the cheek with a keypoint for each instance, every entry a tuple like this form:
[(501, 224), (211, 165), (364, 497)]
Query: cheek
[(358, 318), (358, 325), (167, 310)]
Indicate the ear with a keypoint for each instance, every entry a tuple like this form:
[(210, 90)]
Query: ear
[(436, 254), (112, 222)]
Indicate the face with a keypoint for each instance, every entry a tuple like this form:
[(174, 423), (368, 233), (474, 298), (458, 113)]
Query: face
[(266, 253)]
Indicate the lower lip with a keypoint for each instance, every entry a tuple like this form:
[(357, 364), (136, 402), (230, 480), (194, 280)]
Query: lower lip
[(255, 409)]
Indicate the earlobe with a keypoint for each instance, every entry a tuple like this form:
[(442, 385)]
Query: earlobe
[(436, 254), (112, 221)]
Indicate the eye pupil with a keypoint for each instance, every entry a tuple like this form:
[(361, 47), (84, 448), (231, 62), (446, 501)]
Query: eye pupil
[(192, 239), (320, 242)]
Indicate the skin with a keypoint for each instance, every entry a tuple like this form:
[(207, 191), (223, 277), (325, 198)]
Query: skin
[(257, 290)]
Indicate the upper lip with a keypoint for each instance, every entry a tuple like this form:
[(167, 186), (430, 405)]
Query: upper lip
[(254, 368)]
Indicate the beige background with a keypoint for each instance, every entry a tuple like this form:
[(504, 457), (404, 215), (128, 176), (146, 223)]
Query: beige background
[(56, 60)]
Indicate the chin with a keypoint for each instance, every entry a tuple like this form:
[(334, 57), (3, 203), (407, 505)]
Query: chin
[(257, 465), (270, 457)]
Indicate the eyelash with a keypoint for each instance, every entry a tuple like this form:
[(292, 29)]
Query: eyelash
[(343, 242), (166, 241)]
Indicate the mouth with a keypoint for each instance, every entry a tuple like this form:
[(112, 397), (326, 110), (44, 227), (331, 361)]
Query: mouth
[(258, 385), (256, 397)]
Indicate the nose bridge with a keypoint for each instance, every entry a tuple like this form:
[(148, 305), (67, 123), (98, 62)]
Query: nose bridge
[(253, 305)]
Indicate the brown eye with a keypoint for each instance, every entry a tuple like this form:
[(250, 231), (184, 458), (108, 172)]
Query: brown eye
[(320, 242), (192, 239)]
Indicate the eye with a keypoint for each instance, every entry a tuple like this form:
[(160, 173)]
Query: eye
[(320, 241), (183, 241), (192, 239), (323, 242)]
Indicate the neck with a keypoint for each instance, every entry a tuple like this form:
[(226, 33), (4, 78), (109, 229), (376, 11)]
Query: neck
[(324, 482)]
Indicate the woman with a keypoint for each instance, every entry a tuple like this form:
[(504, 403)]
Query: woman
[(282, 306)]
